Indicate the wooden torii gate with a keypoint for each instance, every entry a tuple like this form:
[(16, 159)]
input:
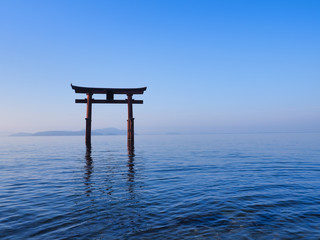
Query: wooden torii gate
[(109, 92)]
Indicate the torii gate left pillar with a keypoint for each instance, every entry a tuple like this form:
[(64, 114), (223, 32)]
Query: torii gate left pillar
[(89, 119), (110, 92)]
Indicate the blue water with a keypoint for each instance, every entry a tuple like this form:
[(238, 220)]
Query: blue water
[(225, 186)]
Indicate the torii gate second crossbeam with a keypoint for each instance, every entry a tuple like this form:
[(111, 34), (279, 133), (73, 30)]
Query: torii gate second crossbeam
[(109, 92)]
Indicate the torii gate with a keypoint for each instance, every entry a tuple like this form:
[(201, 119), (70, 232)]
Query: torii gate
[(109, 92)]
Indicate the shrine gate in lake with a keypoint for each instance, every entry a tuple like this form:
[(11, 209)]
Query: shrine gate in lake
[(109, 92)]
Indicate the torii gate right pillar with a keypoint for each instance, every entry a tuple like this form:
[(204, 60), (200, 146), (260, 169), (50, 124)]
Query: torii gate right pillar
[(130, 127)]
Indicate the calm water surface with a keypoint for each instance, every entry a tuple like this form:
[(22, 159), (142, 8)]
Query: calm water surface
[(258, 186)]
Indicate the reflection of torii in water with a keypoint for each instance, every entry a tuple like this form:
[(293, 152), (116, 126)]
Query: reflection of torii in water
[(109, 92), (89, 170), (130, 175)]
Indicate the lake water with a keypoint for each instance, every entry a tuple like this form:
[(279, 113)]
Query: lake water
[(224, 186)]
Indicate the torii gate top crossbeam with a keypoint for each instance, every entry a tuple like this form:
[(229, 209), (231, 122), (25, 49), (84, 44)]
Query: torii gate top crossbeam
[(109, 92), (91, 90)]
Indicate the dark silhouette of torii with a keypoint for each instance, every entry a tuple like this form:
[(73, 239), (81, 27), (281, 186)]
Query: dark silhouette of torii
[(109, 92)]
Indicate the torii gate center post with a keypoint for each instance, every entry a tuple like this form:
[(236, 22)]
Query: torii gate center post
[(109, 92)]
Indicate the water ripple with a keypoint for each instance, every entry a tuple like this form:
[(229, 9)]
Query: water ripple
[(175, 187)]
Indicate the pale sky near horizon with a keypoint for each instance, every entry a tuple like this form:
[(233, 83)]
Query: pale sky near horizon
[(210, 66)]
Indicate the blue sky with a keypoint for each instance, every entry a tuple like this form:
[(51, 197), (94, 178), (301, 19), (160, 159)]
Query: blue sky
[(210, 66)]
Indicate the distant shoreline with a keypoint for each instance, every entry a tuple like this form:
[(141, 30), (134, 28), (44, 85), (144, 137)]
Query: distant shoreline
[(97, 132), (117, 132)]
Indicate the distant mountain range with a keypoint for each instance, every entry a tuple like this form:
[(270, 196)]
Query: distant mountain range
[(104, 131)]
